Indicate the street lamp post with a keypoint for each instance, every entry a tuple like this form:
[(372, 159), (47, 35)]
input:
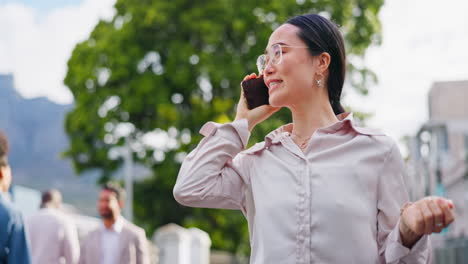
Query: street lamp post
[(128, 171)]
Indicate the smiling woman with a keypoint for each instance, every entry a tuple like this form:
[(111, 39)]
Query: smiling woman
[(319, 190)]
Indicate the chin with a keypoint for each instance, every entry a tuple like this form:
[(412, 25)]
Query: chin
[(106, 215), (276, 101)]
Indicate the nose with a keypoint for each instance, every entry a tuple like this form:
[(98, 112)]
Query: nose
[(269, 68)]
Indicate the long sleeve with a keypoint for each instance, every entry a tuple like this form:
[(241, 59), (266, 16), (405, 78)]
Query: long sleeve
[(142, 251), (82, 258), (212, 175), (392, 194), (18, 244), (71, 246)]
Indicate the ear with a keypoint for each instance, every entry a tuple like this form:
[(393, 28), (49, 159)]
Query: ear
[(323, 61), (121, 204)]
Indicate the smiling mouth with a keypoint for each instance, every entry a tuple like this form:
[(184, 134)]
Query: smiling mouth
[(274, 84)]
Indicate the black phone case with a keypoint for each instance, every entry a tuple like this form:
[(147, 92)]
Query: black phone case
[(255, 92)]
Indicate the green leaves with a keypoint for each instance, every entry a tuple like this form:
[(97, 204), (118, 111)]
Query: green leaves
[(179, 64)]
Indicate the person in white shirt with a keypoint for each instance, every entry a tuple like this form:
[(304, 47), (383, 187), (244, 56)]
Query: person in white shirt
[(318, 190), (117, 240), (53, 235)]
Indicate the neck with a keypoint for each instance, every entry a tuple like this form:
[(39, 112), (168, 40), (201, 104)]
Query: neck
[(310, 116), (109, 222), (49, 205)]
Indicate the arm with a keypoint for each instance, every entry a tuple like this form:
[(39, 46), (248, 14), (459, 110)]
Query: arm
[(18, 243), (213, 175), (82, 258), (392, 194), (71, 246), (142, 251), (208, 176)]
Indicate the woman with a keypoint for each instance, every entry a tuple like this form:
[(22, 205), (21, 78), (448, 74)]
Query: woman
[(319, 190)]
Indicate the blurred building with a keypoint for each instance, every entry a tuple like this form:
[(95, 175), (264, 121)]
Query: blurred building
[(438, 162)]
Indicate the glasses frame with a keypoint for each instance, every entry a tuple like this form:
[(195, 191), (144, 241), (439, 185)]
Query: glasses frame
[(261, 66)]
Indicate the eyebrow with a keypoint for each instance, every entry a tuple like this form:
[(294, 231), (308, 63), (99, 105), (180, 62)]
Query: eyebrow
[(281, 43)]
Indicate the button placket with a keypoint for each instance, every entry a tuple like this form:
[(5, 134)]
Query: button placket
[(302, 244), (307, 217), (301, 216)]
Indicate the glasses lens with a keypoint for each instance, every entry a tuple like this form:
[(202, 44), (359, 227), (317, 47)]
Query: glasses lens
[(276, 54), (261, 62)]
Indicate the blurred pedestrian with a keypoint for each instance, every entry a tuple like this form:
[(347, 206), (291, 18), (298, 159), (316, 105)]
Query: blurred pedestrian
[(14, 248), (319, 190), (117, 241), (52, 234)]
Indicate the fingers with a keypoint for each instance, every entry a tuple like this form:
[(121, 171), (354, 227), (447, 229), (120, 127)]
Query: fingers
[(428, 219), (446, 206), (429, 215), (250, 76), (437, 213)]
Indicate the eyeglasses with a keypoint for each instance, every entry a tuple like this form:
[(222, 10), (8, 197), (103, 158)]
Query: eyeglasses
[(274, 55)]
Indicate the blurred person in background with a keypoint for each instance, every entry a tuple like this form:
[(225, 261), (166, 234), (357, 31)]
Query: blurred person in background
[(117, 240), (14, 246), (52, 234)]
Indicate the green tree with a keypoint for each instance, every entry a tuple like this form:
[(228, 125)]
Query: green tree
[(159, 70)]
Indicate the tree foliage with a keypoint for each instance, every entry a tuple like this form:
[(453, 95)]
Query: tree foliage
[(159, 70)]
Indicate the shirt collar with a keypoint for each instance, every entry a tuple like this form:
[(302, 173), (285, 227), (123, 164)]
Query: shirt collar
[(116, 227), (344, 119)]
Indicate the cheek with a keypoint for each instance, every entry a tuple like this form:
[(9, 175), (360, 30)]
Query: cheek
[(300, 83), (299, 72)]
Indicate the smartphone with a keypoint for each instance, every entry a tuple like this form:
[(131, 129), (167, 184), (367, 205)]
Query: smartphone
[(255, 92)]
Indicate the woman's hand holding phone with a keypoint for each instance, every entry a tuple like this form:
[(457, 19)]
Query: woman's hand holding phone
[(256, 115)]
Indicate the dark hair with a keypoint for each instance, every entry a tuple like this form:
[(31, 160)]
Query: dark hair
[(321, 35), (3, 149), (51, 196), (112, 187)]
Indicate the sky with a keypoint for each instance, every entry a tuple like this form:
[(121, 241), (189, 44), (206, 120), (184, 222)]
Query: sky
[(37, 38), (423, 41)]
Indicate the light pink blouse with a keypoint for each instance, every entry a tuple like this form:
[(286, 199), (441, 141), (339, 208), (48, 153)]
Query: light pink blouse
[(337, 202)]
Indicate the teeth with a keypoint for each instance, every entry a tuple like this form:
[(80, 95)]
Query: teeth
[(273, 84)]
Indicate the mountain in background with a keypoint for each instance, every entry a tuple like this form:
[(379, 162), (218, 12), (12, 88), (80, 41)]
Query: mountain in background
[(35, 129)]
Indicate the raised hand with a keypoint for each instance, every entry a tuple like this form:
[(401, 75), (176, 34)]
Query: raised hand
[(256, 115), (426, 216)]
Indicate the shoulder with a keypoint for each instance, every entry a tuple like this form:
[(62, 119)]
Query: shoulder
[(376, 137), (384, 146), (6, 210), (133, 229), (8, 213)]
